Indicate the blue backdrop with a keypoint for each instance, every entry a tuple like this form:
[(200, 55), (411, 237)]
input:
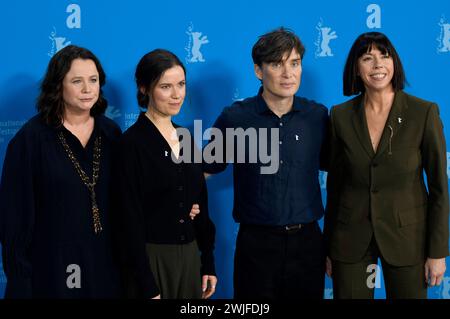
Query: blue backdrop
[(214, 39)]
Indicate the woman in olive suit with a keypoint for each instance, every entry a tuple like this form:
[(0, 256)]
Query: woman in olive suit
[(382, 142)]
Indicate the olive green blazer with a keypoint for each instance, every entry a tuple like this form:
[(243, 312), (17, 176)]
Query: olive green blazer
[(383, 194)]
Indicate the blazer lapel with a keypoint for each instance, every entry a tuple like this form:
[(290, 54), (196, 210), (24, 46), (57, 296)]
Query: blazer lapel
[(360, 126), (393, 124)]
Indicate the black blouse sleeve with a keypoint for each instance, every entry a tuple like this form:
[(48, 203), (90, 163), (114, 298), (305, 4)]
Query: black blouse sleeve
[(205, 233), (17, 210), (129, 220)]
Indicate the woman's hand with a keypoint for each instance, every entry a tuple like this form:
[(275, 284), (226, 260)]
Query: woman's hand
[(195, 210), (434, 271), (208, 286)]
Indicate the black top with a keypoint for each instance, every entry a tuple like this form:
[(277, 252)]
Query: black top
[(291, 195), (154, 198), (46, 223)]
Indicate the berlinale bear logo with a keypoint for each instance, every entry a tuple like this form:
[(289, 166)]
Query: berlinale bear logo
[(444, 37), (323, 40), (196, 40), (58, 43), (327, 36), (73, 21)]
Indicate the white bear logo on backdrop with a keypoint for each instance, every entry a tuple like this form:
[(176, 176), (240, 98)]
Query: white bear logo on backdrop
[(444, 36), (196, 40), (57, 42), (323, 40), (73, 21)]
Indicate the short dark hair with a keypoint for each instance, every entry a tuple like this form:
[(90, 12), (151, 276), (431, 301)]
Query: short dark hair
[(364, 44), (150, 69), (50, 102), (271, 46)]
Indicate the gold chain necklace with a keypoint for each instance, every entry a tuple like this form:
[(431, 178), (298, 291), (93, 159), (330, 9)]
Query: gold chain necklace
[(90, 185)]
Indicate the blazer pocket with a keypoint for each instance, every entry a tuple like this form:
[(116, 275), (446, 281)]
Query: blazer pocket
[(344, 215), (412, 215)]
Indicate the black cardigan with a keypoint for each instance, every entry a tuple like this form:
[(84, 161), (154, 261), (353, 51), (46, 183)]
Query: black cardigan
[(153, 198)]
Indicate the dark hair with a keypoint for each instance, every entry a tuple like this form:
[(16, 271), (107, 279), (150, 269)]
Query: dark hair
[(150, 69), (364, 44), (50, 103), (271, 46)]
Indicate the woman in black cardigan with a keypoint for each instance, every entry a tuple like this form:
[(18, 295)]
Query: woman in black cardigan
[(160, 243)]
